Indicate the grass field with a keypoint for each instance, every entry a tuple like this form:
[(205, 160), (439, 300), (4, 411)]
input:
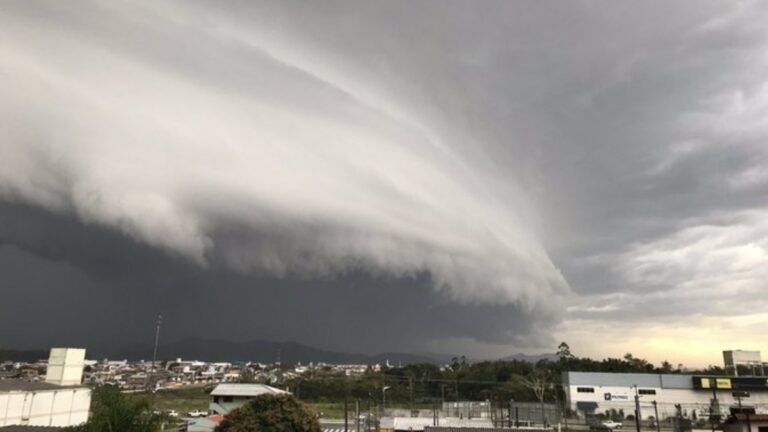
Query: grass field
[(182, 400)]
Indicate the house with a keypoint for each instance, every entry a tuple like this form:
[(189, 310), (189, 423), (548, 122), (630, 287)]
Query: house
[(227, 397)]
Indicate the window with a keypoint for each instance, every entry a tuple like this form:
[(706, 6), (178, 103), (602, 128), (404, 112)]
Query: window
[(215, 399), (585, 389), (647, 391), (226, 399)]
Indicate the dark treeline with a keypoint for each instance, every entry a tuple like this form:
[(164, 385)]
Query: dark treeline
[(419, 385)]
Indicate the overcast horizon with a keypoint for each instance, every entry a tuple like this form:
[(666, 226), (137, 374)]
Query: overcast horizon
[(479, 178)]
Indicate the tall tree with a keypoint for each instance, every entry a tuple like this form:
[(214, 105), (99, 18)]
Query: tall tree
[(271, 413), (564, 351), (539, 381)]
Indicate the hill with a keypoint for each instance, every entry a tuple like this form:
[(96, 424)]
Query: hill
[(260, 351)]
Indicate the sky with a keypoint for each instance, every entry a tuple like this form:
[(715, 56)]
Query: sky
[(436, 176)]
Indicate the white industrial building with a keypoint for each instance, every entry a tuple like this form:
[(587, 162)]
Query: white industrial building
[(600, 392), (59, 401)]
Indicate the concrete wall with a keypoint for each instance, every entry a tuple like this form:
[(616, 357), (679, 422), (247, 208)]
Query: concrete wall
[(65, 366), (64, 407), (623, 398)]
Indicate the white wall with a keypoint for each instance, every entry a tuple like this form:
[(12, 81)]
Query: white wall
[(65, 366), (623, 397), (64, 407)]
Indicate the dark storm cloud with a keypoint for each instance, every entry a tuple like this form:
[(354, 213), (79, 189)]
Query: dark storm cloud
[(310, 147), (69, 283)]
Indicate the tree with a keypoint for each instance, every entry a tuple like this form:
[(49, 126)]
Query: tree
[(271, 413), (539, 382), (112, 411), (564, 351), (247, 375)]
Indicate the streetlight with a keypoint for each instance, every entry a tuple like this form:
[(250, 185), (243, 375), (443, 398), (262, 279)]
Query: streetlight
[(384, 398)]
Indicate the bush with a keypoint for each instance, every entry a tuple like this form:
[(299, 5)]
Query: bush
[(271, 413), (112, 410)]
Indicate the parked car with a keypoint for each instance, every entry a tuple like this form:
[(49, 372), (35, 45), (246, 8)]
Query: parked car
[(173, 413), (197, 413), (610, 424)]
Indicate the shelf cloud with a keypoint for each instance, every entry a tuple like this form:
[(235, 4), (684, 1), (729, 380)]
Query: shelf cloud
[(227, 150)]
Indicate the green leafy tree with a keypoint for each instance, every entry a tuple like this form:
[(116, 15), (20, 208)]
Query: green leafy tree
[(247, 375), (112, 411), (271, 413), (564, 351)]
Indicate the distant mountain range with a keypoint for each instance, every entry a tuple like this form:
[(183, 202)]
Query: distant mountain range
[(23, 356), (256, 351), (531, 358), (260, 351)]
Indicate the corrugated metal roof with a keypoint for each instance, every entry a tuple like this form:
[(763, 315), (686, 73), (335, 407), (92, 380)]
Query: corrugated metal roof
[(29, 428), (245, 390), (629, 379), (16, 385)]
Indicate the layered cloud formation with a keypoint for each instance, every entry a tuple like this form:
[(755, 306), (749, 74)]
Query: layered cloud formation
[(436, 160), (212, 145)]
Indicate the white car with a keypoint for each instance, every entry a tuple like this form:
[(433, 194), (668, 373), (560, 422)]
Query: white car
[(197, 413), (173, 413), (610, 424)]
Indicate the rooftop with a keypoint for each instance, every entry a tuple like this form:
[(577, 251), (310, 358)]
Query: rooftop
[(245, 390), (29, 428), (16, 385)]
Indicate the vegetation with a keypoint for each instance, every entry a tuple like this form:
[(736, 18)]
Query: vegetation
[(271, 413), (183, 400), (420, 385), (113, 411)]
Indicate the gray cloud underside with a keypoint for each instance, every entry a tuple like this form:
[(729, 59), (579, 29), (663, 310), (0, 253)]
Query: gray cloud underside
[(441, 143)]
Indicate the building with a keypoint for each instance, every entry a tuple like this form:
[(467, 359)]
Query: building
[(59, 401), (745, 423), (750, 360), (65, 366), (227, 397), (43, 404), (590, 393), (403, 424)]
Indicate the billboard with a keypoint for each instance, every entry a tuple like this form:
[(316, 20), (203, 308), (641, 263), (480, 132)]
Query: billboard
[(730, 383)]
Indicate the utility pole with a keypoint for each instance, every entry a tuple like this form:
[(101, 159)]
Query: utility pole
[(410, 389), (656, 413), (384, 400), (714, 408), (637, 409), (357, 415), (346, 414), (739, 395), (158, 324)]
